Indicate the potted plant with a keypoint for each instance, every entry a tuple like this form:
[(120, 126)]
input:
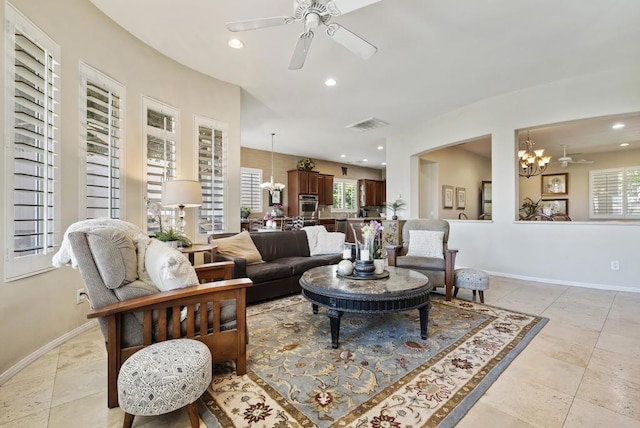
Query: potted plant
[(529, 208), (245, 212), (173, 237), (395, 206)]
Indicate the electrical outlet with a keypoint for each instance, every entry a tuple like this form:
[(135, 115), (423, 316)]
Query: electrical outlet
[(81, 296), (615, 265)]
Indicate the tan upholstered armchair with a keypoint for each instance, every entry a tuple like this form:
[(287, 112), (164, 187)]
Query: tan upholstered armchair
[(438, 267), (132, 313)]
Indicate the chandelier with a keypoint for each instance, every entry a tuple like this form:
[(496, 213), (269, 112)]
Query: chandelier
[(532, 162), (270, 185)]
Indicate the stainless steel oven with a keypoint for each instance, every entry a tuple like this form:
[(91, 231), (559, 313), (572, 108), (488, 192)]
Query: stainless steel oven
[(308, 206)]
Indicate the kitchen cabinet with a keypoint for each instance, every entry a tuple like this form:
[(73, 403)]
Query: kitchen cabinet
[(372, 193), (303, 182), (325, 189), (328, 223)]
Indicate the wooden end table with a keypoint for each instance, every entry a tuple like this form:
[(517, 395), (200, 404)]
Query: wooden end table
[(199, 248), (403, 290)]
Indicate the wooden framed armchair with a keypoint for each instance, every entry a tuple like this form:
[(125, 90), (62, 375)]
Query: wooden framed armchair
[(438, 267), (133, 314)]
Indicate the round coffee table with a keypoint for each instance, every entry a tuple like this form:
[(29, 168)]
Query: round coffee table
[(403, 290)]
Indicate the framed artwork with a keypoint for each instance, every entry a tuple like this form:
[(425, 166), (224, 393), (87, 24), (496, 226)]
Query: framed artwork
[(555, 184), (275, 197), (555, 206), (461, 198), (447, 196)]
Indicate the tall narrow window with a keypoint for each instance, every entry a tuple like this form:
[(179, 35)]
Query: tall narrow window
[(344, 195), (211, 174), (32, 175), (251, 193), (615, 193), (102, 134), (161, 134)]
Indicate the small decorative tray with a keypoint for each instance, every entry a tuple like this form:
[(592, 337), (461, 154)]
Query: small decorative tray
[(382, 275)]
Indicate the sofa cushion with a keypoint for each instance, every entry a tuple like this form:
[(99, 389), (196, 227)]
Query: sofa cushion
[(268, 271), (240, 245), (426, 243), (275, 245), (300, 265), (410, 262), (115, 256)]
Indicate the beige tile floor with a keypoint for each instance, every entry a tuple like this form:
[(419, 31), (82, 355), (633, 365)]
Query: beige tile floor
[(582, 370)]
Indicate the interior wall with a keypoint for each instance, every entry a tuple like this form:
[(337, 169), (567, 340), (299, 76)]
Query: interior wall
[(574, 253), (578, 179), (460, 168), (36, 310)]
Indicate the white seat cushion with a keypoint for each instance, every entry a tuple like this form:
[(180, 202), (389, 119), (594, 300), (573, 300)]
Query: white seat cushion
[(471, 279)]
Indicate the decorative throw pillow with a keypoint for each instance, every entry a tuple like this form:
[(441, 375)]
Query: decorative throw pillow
[(329, 243), (240, 245), (426, 243), (114, 255), (168, 268)]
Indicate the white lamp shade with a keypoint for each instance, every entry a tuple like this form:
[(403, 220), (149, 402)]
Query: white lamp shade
[(181, 192)]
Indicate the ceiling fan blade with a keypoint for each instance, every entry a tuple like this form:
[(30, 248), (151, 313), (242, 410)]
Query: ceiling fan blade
[(341, 7), (301, 50), (253, 24), (349, 40)]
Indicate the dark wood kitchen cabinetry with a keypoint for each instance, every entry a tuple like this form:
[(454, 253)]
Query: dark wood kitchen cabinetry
[(372, 193), (325, 189), (302, 182)]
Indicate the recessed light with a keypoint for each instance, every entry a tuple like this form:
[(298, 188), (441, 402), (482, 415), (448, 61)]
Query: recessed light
[(343, 156), (380, 148), (365, 160), (330, 82), (618, 126), (624, 144), (383, 163), (235, 43)]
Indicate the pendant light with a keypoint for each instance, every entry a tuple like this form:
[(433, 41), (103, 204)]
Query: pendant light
[(270, 185)]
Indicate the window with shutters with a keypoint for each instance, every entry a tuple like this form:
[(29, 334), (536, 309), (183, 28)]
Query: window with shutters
[(344, 195), (32, 163), (101, 103), (614, 193), (160, 130), (251, 193), (212, 137)]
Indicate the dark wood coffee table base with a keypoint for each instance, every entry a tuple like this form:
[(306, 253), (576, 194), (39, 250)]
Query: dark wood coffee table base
[(404, 290)]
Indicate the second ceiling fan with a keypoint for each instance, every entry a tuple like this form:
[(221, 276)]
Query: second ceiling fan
[(314, 14)]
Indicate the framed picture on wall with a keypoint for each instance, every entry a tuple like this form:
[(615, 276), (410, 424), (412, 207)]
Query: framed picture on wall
[(555, 184), (275, 197), (447, 196), (555, 206), (461, 198)]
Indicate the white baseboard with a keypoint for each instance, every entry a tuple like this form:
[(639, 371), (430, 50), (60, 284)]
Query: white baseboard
[(570, 283), (13, 370)]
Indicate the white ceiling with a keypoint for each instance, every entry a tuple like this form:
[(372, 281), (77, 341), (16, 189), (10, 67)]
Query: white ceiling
[(433, 57)]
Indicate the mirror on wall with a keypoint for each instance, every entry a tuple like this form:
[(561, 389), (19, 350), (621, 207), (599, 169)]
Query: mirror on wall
[(593, 173), (455, 181)]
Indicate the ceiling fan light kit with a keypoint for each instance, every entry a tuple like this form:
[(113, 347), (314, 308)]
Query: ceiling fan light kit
[(314, 14)]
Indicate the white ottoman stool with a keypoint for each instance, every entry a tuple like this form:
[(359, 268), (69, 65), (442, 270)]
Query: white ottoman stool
[(471, 279), (164, 377)]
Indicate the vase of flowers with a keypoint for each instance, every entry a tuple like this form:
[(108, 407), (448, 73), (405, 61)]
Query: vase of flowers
[(370, 249), (277, 210), (269, 223)]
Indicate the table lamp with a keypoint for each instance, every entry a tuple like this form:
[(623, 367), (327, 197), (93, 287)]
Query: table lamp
[(181, 194)]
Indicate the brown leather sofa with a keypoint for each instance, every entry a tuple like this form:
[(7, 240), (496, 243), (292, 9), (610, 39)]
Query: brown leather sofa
[(286, 256)]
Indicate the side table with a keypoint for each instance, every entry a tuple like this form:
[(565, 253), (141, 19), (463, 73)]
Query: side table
[(199, 248)]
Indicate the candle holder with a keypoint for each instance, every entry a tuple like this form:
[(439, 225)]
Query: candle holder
[(364, 268)]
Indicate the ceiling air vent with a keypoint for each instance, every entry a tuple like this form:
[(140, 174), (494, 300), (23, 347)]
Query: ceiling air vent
[(367, 124)]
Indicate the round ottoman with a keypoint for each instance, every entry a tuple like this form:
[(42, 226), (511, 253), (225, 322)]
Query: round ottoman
[(471, 279), (164, 377)]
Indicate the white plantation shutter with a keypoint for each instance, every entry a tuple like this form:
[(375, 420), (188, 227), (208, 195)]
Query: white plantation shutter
[(102, 138), (251, 193), (32, 172), (614, 193), (160, 130), (211, 174), (344, 195)]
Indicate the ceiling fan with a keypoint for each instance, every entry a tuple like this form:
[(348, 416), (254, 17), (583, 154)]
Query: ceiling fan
[(314, 13), (565, 160)]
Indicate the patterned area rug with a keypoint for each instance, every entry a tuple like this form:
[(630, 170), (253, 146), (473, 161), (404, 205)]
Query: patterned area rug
[(382, 375)]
